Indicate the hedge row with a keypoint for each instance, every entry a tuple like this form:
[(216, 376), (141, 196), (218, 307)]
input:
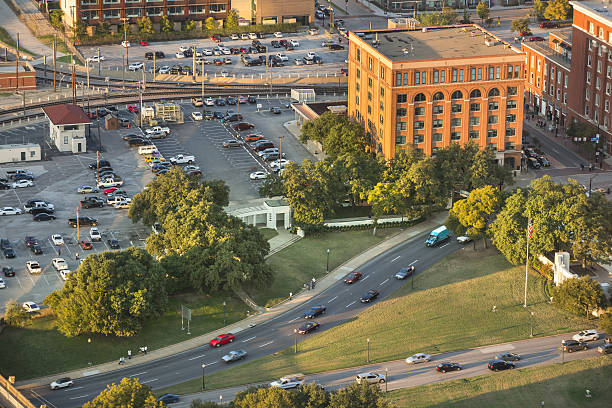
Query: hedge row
[(315, 229)]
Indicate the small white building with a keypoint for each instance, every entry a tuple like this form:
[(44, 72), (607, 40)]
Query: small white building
[(12, 153), (269, 213), (67, 126)]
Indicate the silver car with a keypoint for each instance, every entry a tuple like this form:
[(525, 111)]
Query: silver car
[(370, 378), (234, 356)]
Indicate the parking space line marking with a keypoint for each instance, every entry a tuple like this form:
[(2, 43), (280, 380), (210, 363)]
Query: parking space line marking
[(351, 304)]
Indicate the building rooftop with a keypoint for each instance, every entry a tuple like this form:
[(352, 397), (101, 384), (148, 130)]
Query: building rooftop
[(66, 114), (312, 110), (549, 53), (603, 8), (564, 35), (433, 43), (10, 68)]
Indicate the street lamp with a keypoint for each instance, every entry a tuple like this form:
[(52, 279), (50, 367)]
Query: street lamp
[(531, 335), (89, 349), (386, 379), (327, 267), (203, 383), (224, 313), (368, 349), (295, 340)]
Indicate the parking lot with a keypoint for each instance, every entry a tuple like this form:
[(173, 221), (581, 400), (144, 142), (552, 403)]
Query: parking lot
[(333, 61)]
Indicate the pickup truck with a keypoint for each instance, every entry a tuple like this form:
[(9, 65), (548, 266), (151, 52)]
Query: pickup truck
[(13, 174), (91, 202), (156, 129), (82, 221), (182, 159), (110, 182)]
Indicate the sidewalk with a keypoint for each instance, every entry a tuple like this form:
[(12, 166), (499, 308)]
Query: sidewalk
[(11, 23), (322, 285)]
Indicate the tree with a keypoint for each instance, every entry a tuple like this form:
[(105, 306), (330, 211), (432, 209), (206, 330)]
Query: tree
[(56, 16), (539, 7), (605, 322), (16, 315), (145, 27), (165, 26), (466, 17), (111, 293), (385, 199), (337, 134), (447, 16), (476, 211), (579, 295), (357, 173), (189, 25), (558, 10), (520, 25), (272, 186), (485, 170), (210, 24), (128, 394), (198, 403), (482, 9), (272, 397), (454, 165), (78, 31), (231, 21), (359, 396)]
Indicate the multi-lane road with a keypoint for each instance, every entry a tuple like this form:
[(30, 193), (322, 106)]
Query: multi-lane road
[(342, 303)]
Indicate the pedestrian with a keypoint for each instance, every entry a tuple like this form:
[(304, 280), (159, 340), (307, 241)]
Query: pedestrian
[(581, 166), (290, 295), (121, 360), (59, 251), (608, 190), (129, 354), (313, 280), (76, 256), (146, 349), (532, 116), (591, 167)]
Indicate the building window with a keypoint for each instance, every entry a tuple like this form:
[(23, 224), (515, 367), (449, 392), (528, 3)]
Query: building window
[(473, 74), (358, 73), (511, 104), (455, 136), (596, 99), (544, 87), (512, 90), (400, 140), (538, 82), (454, 76), (437, 137), (370, 63), (369, 82), (586, 110), (417, 78), (369, 109), (197, 10), (492, 133), (552, 89), (597, 85), (606, 106), (419, 124), (438, 109), (480, 74), (598, 69), (442, 77), (381, 119), (589, 59), (493, 119), (382, 91), (455, 108), (402, 98), (419, 111), (558, 94), (457, 95), (65, 139), (419, 97), (424, 77), (539, 65), (455, 122), (382, 106), (382, 72), (437, 123), (405, 78), (509, 72), (493, 92), (475, 93), (357, 87), (436, 76), (460, 75), (399, 126), (474, 121), (398, 79), (418, 139), (591, 28), (474, 134), (607, 88), (601, 33), (511, 118), (492, 73), (493, 105), (516, 71), (587, 94), (115, 13), (531, 78), (565, 80), (438, 96), (565, 97), (474, 107), (357, 100), (401, 112), (510, 132), (608, 71), (369, 96), (358, 55)]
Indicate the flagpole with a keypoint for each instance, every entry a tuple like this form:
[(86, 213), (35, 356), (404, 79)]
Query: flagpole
[(527, 261)]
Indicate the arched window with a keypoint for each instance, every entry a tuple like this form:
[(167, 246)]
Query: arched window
[(494, 92), (438, 96), (419, 97), (457, 95), (475, 93)]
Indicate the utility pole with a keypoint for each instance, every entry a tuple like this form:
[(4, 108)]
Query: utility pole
[(54, 60), (154, 67), (99, 63), (140, 105), (17, 64), (125, 53), (87, 68), (203, 84), (24, 110), (193, 62), (77, 217), (73, 79), (45, 65)]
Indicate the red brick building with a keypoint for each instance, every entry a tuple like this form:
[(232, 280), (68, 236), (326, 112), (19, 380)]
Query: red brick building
[(11, 80)]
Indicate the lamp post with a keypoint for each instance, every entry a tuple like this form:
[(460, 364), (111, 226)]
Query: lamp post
[(224, 313), (203, 383), (368, 350), (386, 379), (327, 267), (531, 334), (295, 340), (89, 349)]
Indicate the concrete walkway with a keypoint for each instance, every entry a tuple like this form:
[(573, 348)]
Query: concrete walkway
[(11, 23), (297, 300)]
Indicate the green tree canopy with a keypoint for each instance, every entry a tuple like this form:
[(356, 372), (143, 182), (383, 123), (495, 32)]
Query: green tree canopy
[(482, 9), (145, 27), (16, 315), (338, 134), (605, 322), (272, 186), (56, 16), (210, 24), (539, 7), (165, 25), (558, 10), (520, 25), (359, 396), (447, 16), (231, 21), (579, 295), (111, 293), (129, 393), (475, 212)]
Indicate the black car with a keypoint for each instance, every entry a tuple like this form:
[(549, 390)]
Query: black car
[(315, 311), (18, 177), (444, 367), (544, 162), (573, 345), (8, 252), (92, 202), (8, 271), (5, 243), (336, 47), (36, 249), (218, 115), (82, 221), (276, 44), (499, 365), (137, 142), (231, 100), (533, 163), (252, 99), (44, 217), (308, 327), (369, 296), (236, 117), (168, 398), (159, 54), (149, 55), (208, 115), (4, 186), (101, 163), (188, 53), (113, 244), (41, 210), (275, 110), (317, 60), (220, 102)]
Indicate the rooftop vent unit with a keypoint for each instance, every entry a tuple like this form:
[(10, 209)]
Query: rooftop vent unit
[(489, 42), (424, 29)]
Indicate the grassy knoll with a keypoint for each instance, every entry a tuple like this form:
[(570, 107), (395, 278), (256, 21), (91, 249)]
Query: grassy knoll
[(558, 385), (40, 349), (307, 258), (6, 38), (450, 309)]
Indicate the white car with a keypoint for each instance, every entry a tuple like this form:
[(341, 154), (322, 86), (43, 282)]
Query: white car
[(258, 175), (289, 381), (370, 378), (310, 55), (418, 358), (2, 284), (244, 36), (234, 37), (179, 55), (278, 34), (279, 163), (197, 116), (294, 43), (586, 335), (123, 204), (197, 102), (463, 239), (226, 51), (65, 273), (59, 264), (224, 74), (125, 44), (33, 267), (57, 239), (164, 70), (30, 307), (61, 383), (95, 59), (87, 190), (217, 51), (209, 102), (183, 48), (242, 99), (207, 52), (23, 183), (298, 61), (313, 31), (94, 234), (190, 168), (252, 36), (10, 211), (282, 57), (135, 66)]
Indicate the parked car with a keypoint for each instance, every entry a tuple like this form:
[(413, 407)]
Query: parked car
[(499, 365), (352, 277), (168, 398), (586, 335), (44, 217), (243, 126), (253, 137), (57, 239), (336, 47), (10, 211), (232, 143), (8, 271), (549, 24), (221, 340), (370, 378), (87, 189), (94, 234), (507, 356), (308, 327), (605, 348), (33, 267), (59, 264), (418, 358), (113, 243), (369, 296), (258, 175), (444, 367)]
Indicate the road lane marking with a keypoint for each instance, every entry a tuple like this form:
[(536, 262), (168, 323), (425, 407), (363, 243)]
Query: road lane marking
[(352, 303), (249, 339), (497, 349), (134, 375), (73, 389), (149, 381), (383, 282), (332, 299), (266, 344), (396, 258), (413, 262), (444, 245), (214, 362), (293, 320), (366, 277), (82, 396)]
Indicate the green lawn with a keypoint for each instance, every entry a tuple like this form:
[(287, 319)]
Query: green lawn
[(6, 38), (307, 258), (450, 309), (40, 349), (556, 384), (268, 233)]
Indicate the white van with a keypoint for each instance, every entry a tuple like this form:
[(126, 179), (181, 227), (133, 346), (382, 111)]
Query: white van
[(149, 149)]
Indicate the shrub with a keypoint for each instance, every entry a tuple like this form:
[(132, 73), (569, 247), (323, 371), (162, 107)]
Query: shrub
[(579, 295)]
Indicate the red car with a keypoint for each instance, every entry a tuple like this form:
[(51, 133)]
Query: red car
[(524, 33), (86, 245), (549, 24), (352, 277), (216, 38), (536, 38), (133, 108), (243, 126), (344, 71), (110, 190), (221, 340), (143, 42), (253, 137)]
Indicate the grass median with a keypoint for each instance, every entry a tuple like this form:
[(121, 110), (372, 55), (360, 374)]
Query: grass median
[(558, 385), (39, 349), (449, 309)]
